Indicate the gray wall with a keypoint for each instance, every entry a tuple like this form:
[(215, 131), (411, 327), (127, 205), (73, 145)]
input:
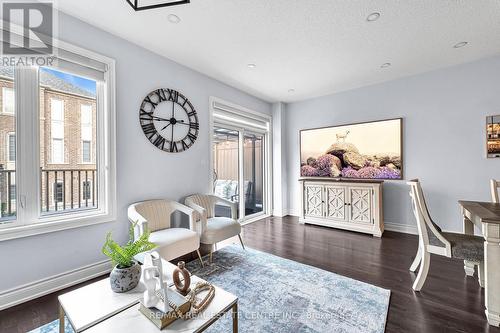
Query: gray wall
[(444, 135), (142, 170)]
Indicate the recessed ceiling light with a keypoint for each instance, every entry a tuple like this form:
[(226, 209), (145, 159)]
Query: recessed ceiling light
[(459, 45), (172, 18), (387, 64), (291, 90), (373, 17), (251, 65)]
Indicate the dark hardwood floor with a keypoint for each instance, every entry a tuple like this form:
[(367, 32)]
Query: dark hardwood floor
[(449, 301)]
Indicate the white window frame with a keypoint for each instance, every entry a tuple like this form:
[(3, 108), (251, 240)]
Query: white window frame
[(29, 220), (216, 103), (4, 105)]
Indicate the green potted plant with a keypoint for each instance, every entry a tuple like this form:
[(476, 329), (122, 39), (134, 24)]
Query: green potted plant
[(127, 272)]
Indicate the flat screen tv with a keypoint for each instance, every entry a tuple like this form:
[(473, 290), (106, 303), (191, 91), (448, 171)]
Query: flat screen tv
[(371, 150)]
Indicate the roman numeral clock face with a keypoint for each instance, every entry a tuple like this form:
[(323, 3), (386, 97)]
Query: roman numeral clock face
[(169, 120)]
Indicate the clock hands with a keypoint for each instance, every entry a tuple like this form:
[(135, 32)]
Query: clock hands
[(173, 123), (172, 137), (159, 118)]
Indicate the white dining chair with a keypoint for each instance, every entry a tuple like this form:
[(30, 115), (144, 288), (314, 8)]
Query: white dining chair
[(433, 241), (495, 186)]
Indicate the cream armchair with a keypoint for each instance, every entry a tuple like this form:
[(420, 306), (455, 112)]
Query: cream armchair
[(213, 229), (155, 216)]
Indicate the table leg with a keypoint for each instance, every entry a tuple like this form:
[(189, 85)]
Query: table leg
[(468, 230), (234, 312), (491, 234), (61, 319)]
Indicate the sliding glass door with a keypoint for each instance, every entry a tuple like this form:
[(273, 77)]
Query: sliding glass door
[(253, 173), (239, 170), (226, 167)]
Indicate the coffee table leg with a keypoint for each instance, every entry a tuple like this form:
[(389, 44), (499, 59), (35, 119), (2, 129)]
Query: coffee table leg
[(61, 319), (235, 317)]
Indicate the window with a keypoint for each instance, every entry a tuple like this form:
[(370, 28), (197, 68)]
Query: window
[(72, 99), (86, 190), (58, 104), (8, 121), (8, 100), (12, 192), (86, 152), (86, 132), (58, 192), (11, 138), (57, 130)]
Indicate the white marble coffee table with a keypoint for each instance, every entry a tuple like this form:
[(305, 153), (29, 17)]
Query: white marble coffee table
[(131, 320), (96, 308)]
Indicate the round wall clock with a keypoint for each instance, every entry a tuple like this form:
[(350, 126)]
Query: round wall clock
[(169, 120)]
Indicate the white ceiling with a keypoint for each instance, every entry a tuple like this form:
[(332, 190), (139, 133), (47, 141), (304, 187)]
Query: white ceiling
[(315, 47)]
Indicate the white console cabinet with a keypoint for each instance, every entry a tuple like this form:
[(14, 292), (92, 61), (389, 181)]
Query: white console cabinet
[(354, 205)]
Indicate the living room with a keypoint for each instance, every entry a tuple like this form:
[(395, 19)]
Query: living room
[(129, 131)]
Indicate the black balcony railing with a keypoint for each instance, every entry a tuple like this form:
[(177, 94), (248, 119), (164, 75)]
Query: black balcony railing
[(61, 190), (68, 189)]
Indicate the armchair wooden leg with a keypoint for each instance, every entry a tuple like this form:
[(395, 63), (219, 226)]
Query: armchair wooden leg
[(241, 241), (211, 252), (199, 256)]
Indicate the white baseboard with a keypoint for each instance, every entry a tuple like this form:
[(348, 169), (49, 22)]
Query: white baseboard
[(286, 212), (51, 284), (292, 212), (403, 228)]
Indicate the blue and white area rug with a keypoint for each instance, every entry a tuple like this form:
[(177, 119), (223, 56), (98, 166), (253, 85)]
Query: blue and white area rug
[(281, 296)]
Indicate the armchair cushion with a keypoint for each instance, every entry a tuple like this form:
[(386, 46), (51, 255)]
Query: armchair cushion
[(175, 242), (219, 229)]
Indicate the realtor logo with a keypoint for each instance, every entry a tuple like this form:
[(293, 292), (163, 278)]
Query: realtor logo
[(37, 22)]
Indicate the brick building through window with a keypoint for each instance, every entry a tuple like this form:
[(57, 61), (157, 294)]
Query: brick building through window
[(68, 118)]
